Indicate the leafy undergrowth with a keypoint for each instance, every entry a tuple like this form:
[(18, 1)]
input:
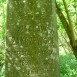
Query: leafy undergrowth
[(2, 69), (68, 66)]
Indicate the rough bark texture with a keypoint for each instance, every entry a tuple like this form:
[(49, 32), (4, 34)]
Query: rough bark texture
[(31, 39)]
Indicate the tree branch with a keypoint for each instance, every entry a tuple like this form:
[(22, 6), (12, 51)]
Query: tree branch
[(68, 30)]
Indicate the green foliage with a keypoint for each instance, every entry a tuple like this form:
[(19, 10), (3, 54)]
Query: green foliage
[(68, 66), (2, 71), (2, 34)]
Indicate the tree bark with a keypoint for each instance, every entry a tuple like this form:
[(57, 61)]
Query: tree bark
[(31, 39)]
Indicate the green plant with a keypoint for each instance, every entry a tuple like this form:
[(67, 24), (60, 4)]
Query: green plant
[(68, 66)]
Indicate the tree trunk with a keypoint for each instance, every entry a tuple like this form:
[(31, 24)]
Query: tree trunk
[(31, 39)]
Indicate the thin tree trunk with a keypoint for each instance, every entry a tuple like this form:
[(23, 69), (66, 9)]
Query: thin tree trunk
[(68, 30)]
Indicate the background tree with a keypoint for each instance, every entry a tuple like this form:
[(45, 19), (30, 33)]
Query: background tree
[(68, 25)]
